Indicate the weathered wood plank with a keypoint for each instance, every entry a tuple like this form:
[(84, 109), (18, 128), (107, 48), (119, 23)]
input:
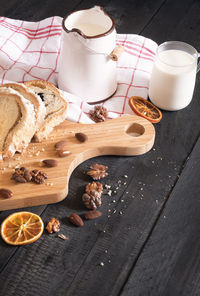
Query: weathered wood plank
[(37, 10), (6, 252), (175, 146), (31, 11), (169, 264), (58, 261), (125, 234), (175, 21), (7, 7), (56, 266), (130, 16), (28, 10)]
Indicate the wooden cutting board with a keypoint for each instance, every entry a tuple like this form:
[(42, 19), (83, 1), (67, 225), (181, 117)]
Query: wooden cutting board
[(128, 135)]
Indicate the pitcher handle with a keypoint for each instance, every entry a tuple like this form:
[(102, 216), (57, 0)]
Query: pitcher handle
[(116, 53), (198, 64)]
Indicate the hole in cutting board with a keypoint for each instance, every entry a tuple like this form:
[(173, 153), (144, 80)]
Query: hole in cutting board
[(135, 130)]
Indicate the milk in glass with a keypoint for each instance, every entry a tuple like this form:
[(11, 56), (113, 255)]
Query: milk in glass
[(173, 79)]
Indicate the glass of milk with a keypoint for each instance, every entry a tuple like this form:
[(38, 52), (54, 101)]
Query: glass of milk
[(173, 76)]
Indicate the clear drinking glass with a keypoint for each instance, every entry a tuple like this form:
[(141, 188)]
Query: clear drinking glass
[(173, 76)]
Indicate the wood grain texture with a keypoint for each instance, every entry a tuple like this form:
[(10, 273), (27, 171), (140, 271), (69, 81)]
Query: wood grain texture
[(131, 16), (56, 267), (169, 263), (74, 266), (128, 135), (175, 22), (37, 10)]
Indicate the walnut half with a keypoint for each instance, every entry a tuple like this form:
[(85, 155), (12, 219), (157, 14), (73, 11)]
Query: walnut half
[(99, 113), (53, 225), (97, 171), (92, 197)]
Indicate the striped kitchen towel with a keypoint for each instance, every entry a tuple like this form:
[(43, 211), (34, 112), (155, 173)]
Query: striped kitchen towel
[(30, 50)]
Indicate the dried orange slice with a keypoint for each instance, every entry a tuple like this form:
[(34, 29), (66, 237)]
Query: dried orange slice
[(21, 228), (145, 109)]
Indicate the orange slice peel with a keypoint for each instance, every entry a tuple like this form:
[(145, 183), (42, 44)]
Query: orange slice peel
[(22, 228), (145, 109)]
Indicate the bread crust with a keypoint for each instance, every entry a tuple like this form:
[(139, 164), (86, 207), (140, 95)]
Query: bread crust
[(40, 110), (52, 119), (22, 132)]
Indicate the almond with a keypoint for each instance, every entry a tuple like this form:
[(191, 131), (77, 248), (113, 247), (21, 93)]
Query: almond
[(60, 145), (50, 163), (90, 215), (76, 220), (5, 193), (63, 153), (81, 137)]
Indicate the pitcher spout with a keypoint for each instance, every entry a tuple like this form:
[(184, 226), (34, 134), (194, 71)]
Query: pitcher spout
[(94, 22)]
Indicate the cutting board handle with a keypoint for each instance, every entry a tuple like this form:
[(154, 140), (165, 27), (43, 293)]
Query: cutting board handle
[(128, 135)]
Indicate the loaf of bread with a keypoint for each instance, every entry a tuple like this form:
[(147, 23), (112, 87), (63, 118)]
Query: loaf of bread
[(39, 108), (27, 110), (55, 104), (17, 122)]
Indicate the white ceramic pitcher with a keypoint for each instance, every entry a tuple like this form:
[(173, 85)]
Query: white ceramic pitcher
[(87, 67)]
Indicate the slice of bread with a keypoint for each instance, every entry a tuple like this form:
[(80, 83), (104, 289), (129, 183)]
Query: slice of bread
[(17, 122), (56, 106), (40, 110)]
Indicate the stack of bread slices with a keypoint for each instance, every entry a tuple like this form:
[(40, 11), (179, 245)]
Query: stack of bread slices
[(28, 110)]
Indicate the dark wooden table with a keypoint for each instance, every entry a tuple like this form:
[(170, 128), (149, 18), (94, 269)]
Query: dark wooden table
[(147, 242)]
